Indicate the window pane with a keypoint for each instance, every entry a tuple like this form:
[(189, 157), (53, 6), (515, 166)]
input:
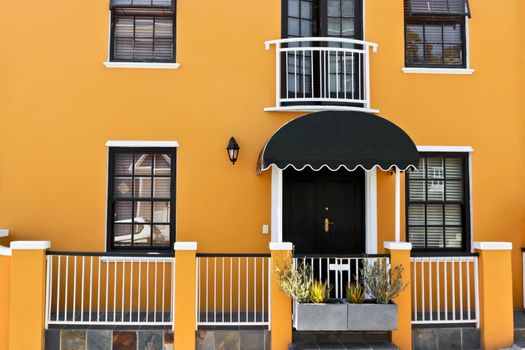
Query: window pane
[(348, 27), (161, 212), (306, 27), (453, 237), (435, 168), (414, 33), (122, 235), (123, 163), (123, 187), (435, 190), (417, 190), (416, 235), (435, 237), (434, 214), (433, 34), (161, 235), (334, 26), (416, 214), (143, 48), (433, 53), (414, 54), (453, 54), (161, 188), (142, 187), (454, 168), (454, 191), (142, 212), (452, 214), (293, 27), (142, 235), (348, 8), (123, 212), (164, 28), (306, 9), (293, 8), (144, 27), (452, 34), (143, 163), (334, 8)]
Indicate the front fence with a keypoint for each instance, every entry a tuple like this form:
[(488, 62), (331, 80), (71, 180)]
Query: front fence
[(338, 271), (445, 289), (233, 290), (101, 289)]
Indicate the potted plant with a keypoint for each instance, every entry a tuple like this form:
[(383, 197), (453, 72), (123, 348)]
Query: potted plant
[(313, 310), (383, 283)]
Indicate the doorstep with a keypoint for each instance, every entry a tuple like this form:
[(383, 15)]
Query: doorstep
[(343, 346)]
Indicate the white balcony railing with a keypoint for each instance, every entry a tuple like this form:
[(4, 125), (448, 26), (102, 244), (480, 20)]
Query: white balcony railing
[(445, 290), (100, 289), (322, 73)]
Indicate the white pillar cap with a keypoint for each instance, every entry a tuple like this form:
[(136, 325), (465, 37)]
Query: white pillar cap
[(492, 245), (4, 232), (185, 246), (281, 246), (398, 245), (30, 245)]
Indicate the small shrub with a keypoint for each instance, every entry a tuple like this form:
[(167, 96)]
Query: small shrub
[(319, 292), (294, 281), (383, 281), (355, 293)]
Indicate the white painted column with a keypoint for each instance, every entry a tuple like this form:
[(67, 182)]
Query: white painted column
[(371, 211), (277, 204), (398, 206)]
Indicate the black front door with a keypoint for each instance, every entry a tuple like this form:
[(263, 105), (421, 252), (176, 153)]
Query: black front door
[(323, 211)]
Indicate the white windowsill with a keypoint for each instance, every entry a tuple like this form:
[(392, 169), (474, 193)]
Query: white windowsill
[(450, 71), (146, 65), (131, 143)]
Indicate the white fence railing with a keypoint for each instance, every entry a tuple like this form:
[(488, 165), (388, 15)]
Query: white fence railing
[(322, 71), (98, 289), (338, 271), (445, 289), (233, 290)]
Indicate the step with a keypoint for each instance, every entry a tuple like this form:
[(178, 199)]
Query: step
[(344, 345)]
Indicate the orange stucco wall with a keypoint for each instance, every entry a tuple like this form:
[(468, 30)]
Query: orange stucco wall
[(59, 105), (5, 299)]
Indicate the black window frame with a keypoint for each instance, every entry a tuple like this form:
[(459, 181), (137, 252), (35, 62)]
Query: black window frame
[(136, 13), (111, 200), (466, 233), (441, 20)]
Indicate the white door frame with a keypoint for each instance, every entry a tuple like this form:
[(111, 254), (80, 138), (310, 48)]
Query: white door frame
[(370, 208)]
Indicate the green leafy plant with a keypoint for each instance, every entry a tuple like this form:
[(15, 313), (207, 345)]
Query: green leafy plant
[(319, 292), (355, 293), (383, 281), (294, 281)]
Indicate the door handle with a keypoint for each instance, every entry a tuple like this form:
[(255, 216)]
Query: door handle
[(327, 224)]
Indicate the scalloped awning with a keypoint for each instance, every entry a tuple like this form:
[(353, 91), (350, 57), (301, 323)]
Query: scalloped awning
[(339, 140)]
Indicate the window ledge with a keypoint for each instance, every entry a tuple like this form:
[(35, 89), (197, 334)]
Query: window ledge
[(452, 71), (146, 65)]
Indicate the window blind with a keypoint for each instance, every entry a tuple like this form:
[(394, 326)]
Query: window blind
[(436, 203), (439, 7), (142, 3)]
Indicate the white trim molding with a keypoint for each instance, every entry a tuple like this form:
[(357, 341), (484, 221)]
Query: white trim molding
[(277, 205), (439, 71), (398, 245), (4, 233), (281, 246), (30, 245), (451, 149), (185, 246), (4, 251), (142, 65), (314, 108), (116, 143), (492, 245), (371, 211)]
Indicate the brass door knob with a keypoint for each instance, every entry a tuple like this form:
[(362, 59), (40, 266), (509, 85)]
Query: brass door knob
[(327, 224)]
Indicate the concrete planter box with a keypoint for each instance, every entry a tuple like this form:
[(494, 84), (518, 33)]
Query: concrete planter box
[(321, 317), (372, 317)]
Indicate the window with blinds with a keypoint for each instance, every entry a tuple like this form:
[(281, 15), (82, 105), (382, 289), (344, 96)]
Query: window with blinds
[(142, 30), (141, 208), (435, 33), (438, 203)]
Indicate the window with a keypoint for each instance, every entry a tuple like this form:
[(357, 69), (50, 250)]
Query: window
[(438, 216), (435, 34), (141, 208), (142, 31)]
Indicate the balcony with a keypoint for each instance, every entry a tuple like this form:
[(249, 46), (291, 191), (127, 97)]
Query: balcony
[(322, 73)]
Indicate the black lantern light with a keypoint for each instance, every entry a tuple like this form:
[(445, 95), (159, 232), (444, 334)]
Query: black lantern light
[(233, 150)]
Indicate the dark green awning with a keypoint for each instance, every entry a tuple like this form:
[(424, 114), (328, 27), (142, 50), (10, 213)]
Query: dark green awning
[(339, 140)]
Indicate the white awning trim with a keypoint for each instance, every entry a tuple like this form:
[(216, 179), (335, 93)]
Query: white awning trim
[(340, 167)]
